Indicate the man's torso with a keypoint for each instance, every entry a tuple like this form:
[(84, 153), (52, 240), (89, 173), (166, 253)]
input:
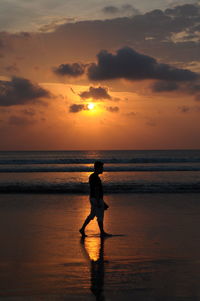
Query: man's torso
[(96, 188)]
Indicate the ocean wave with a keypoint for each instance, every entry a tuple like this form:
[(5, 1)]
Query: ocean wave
[(82, 168), (105, 160), (109, 188)]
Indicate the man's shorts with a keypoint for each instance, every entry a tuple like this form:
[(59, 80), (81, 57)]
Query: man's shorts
[(96, 210)]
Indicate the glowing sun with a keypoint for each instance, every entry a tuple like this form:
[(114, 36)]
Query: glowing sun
[(90, 106)]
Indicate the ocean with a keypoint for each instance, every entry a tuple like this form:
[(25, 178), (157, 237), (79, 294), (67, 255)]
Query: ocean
[(125, 171)]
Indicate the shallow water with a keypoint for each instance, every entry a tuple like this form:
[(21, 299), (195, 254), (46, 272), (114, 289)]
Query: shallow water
[(156, 257)]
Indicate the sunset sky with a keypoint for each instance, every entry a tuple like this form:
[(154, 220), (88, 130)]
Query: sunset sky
[(99, 74)]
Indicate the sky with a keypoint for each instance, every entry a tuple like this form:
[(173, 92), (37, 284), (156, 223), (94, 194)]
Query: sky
[(99, 74)]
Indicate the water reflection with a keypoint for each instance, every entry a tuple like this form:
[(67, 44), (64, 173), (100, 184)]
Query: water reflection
[(93, 249)]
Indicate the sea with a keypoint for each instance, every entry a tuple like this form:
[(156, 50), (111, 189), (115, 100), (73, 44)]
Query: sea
[(125, 171)]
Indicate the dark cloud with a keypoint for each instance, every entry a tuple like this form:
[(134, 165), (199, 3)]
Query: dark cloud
[(112, 109), (190, 88), (73, 70), (183, 10), (155, 13), (95, 93), (131, 65), (150, 33), (20, 91), (124, 9), (75, 108), (128, 7), (165, 86), (110, 9)]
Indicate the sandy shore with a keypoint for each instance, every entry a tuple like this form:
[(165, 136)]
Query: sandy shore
[(156, 257)]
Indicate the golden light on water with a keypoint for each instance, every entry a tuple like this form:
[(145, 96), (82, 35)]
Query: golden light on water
[(92, 246)]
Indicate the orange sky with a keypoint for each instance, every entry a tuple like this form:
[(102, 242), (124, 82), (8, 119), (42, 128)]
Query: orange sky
[(157, 107)]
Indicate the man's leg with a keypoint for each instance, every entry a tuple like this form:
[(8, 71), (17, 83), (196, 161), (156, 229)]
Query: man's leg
[(102, 232), (86, 222), (100, 218), (100, 223)]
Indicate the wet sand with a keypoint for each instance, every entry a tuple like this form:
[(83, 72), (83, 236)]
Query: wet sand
[(157, 256)]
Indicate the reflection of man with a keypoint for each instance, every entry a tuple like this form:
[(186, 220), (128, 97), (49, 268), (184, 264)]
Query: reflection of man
[(96, 199), (97, 265)]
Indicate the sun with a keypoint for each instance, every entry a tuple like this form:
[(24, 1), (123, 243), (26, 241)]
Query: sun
[(90, 106)]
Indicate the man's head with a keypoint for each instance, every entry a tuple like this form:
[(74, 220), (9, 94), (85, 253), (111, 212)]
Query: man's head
[(98, 167)]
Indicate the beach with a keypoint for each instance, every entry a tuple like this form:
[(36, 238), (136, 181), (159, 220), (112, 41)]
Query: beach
[(153, 255), (100, 150)]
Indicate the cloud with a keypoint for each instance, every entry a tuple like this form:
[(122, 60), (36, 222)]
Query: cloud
[(75, 108), (190, 87), (110, 9), (20, 91), (126, 9), (55, 23), (149, 33), (188, 35), (187, 10), (73, 70), (131, 65), (95, 93), (165, 86), (112, 109)]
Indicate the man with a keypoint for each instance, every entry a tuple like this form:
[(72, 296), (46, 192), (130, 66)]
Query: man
[(96, 199)]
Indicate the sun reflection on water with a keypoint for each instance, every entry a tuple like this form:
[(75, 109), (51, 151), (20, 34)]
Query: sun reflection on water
[(92, 246), (93, 249)]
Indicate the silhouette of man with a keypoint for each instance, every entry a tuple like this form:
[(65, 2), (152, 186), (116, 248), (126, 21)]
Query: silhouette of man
[(96, 200)]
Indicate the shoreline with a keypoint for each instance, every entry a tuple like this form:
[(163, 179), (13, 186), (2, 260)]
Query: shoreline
[(156, 257)]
